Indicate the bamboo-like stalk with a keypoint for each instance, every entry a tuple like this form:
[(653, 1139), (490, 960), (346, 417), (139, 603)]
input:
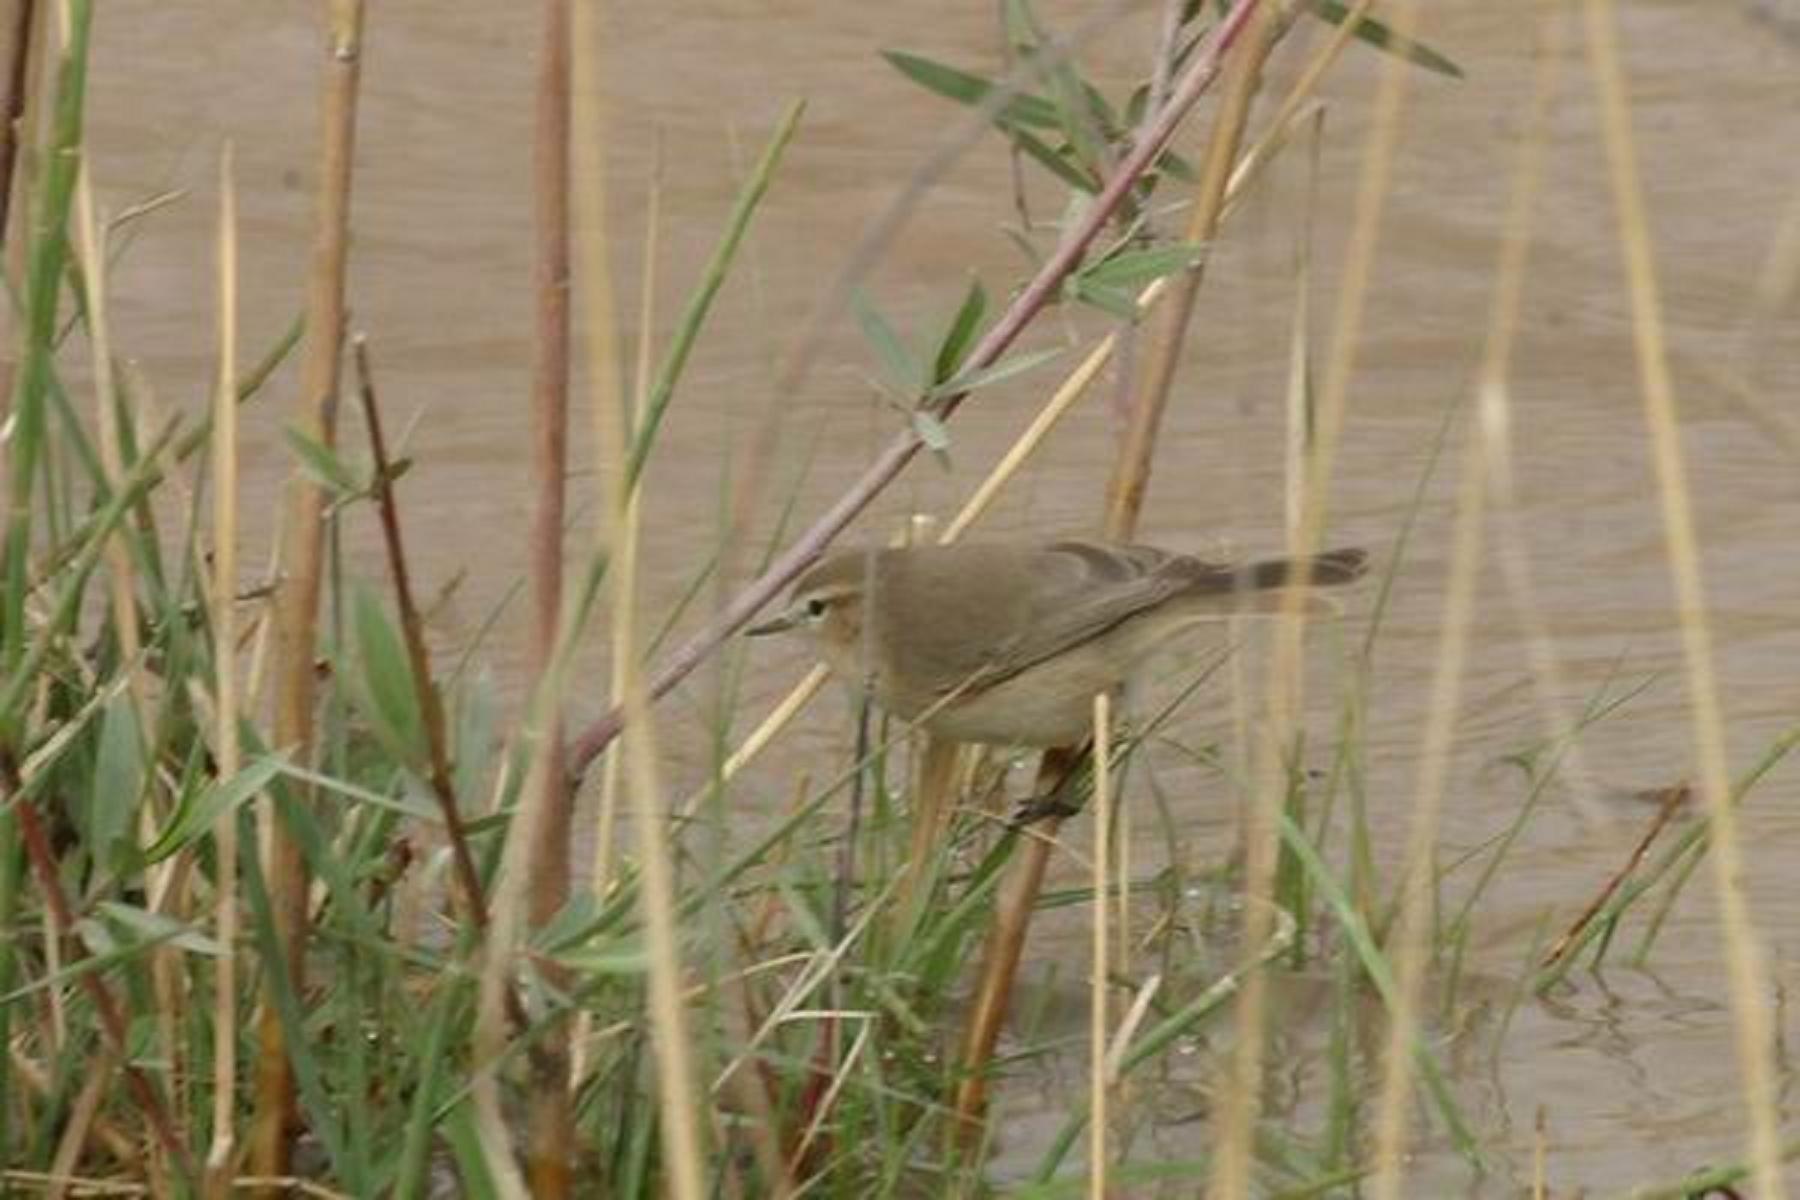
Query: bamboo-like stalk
[(164, 879), (297, 592), (18, 18), (1124, 500), (1131, 469), (625, 556), (1416, 878), (678, 1105), (224, 624), (549, 1150), (1201, 70), (1744, 957), (1231, 1161), (1099, 966)]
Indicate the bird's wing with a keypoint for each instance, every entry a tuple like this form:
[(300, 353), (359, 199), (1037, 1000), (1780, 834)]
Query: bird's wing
[(1086, 589)]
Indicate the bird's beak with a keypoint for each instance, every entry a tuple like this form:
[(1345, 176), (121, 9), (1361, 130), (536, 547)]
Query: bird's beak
[(778, 624)]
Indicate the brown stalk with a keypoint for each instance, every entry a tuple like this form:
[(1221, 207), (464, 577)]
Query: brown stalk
[(1031, 300), (412, 629), (1745, 957), (1673, 800), (297, 592), (112, 1019), (1124, 500), (549, 1151), (223, 1151), (425, 690), (119, 1143), (20, 21), (931, 803)]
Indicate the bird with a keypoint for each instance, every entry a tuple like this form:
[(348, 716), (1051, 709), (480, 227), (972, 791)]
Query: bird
[(1007, 643)]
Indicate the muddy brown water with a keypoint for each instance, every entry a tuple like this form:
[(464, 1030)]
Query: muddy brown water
[(1635, 1068)]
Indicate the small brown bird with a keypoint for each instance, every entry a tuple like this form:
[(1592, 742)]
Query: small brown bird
[(1008, 643)]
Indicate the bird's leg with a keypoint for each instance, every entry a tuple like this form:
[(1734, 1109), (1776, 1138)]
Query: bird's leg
[(1068, 794), (1064, 798)]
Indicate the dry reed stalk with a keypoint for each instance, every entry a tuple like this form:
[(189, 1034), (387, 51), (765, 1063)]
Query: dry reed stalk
[(1202, 67), (1131, 468), (1539, 1157), (79, 1123), (683, 1155), (1744, 957), (933, 790), (1231, 1171), (1098, 1079), (164, 879), (550, 1134), (625, 556), (1412, 935), (219, 1156), (1674, 799), (1513, 556), (1299, 94), (297, 592), (1124, 498), (42, 857), (123, 1147), (17, 18)]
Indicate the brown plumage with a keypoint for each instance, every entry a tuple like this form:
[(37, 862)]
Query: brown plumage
[(1008, 643)]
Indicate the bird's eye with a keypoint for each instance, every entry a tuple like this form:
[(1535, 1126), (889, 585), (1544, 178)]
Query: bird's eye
[(815, 608)]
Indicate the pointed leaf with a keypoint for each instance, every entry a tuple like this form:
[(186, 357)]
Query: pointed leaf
[(1382, 38), (118, 781), (1117, 302), (154, 927), (901, 369), (964, 88), (987, 376), (198, 808), (961, 334), (1069, 172), (1135, 268), (323, 464), (386, 677)]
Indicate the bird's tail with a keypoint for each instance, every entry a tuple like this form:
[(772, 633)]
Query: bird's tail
[(1321, 570)]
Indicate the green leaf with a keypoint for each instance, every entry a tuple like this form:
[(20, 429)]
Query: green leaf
[(322, 463), (117, 784), (1055, 162), (987, 376), (1117, 302), (901, 370), (964, 88), (610, 957), (1382, 38), (1176, 167), (477, 717), (961, 334), (1135, 268), (157, 928), (387, 679), (199, 808)]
